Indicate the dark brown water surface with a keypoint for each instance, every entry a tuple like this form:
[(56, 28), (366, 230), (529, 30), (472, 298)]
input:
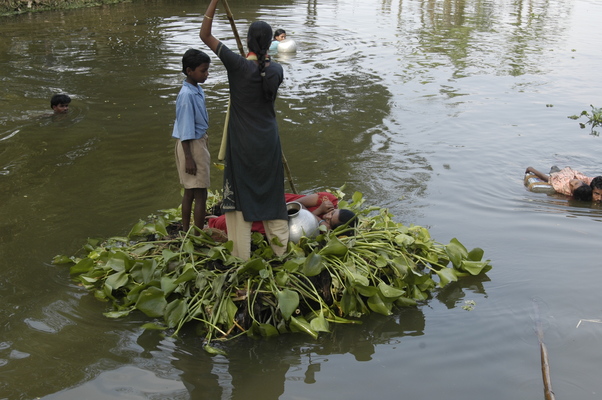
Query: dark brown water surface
[(430, 108)]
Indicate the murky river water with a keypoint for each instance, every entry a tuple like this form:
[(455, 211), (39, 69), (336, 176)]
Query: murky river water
[(430, 108)]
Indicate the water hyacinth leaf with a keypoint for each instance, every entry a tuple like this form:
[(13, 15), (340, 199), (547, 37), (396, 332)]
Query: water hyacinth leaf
[(143, 249), (313, 265), (168, 285), (58, 260), (405, 302), (152, 302), (301, 325), (381, 262), (267, 330), (117, 280), (377, 304), (118, 314), (476, 254), (188, 274), (319, 323), (456, 252), (288, 301), (358, 279), (253, 265), (148, 270), (188, 247), (153, 326), (168, 255), (83, 266), (475, 267), (137, 229), (175, 312), (282, 278), (446, 275), (404, 240), (390, 292), (213, 350), (348, 303), (334, 247), (293, 265), (366, 291)]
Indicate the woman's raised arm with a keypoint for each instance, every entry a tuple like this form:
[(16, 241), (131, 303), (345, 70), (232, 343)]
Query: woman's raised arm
[(205, 33)]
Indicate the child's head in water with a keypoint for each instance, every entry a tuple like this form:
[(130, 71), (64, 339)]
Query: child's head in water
[(60, 103), (279, 35)]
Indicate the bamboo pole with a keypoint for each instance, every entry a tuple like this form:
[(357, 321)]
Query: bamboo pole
[(545, 365)]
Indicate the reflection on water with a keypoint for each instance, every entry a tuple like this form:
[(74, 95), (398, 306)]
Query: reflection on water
[(430, 108)]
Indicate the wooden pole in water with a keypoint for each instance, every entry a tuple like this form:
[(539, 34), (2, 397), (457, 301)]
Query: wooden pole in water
[(222, 150), (545, 365)]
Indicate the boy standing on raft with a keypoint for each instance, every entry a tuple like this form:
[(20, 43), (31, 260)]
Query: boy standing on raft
[(190, 131)]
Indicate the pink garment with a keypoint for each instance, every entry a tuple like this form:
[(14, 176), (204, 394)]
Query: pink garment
[(560, 180)]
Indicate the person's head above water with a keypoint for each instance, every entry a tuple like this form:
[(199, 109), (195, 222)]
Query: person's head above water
[(279, 35), (596, 186), (60, 103), (583, 193)]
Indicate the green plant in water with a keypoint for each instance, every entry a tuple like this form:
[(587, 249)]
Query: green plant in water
[(192, 278), (594, 119)]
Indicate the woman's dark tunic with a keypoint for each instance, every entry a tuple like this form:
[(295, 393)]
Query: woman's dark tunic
[(254, 174)]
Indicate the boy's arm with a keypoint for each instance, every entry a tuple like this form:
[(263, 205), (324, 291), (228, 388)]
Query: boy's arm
[(190, 164)]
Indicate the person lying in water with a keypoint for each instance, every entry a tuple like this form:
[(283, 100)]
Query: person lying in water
[(322, 205), (567, 181)]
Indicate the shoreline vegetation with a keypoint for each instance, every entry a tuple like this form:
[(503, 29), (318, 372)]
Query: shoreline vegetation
[(17, 7)]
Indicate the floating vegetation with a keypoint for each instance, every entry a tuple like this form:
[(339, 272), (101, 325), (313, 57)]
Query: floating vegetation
[(182, 278), (594, 119)]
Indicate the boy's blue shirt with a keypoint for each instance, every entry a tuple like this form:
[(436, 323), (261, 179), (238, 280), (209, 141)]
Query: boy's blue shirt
[(192, 120)]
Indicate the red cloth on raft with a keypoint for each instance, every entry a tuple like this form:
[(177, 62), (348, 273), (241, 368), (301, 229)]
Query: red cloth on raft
[(220, 222)]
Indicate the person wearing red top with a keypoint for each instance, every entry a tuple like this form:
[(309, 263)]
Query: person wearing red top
[(319, 204)]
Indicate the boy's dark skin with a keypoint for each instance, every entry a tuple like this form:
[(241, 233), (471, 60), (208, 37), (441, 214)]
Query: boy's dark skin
[(198, 195)]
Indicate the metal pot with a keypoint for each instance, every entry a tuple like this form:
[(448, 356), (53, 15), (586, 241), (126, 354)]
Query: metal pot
[(301, 222)]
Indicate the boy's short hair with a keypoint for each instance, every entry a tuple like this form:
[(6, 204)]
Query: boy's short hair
[(596, 183), (59, 99), (193, 58), (583, 193)]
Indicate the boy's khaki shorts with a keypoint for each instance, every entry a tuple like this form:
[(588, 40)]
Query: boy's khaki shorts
[(202, 158)]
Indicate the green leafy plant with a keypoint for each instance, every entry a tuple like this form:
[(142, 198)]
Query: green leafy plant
[(191, 278), (594, 119)]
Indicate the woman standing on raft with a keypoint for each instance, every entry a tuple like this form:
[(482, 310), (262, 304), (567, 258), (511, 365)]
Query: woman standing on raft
[(254, 173)]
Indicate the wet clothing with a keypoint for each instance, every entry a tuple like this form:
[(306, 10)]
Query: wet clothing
[(560, 180), (253, 174)]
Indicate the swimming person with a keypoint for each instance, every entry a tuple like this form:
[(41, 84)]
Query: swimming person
[(566, 181)]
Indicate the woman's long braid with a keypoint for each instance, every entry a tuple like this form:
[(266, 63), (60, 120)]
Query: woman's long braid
[(258, 40), (269, 95)]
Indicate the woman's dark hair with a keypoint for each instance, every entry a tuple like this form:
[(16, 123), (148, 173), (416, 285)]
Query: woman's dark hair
[(278, 32), (259, 39), (346, 216), (193, 58), (59, 99), (583, 193)]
